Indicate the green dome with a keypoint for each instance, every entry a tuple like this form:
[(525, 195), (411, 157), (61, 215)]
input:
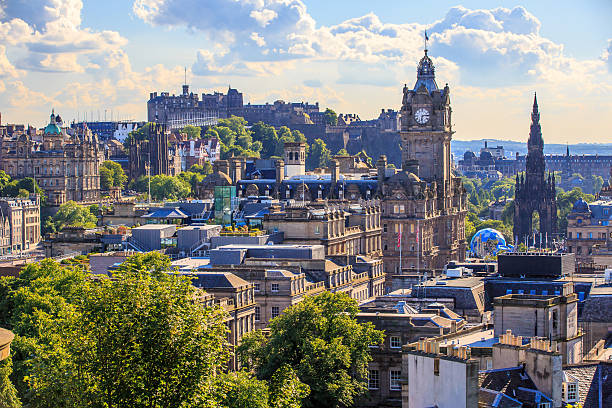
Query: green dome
[(52, 128)]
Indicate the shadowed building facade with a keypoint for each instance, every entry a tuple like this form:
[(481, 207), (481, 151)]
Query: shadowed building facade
[(535, 192)]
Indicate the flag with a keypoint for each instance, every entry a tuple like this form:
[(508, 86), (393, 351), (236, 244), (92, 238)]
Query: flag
[(426, 37), (399, 239)]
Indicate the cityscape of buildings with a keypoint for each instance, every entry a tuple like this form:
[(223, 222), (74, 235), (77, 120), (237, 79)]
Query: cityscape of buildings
[(385, 220)]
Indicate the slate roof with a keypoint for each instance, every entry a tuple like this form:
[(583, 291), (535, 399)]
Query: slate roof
[(587, 376), (514, 382), (167, 213), (491, 398), (212, 280)]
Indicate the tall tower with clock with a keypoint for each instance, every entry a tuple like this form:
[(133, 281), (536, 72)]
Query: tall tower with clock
[(426, 130), (423, 205)]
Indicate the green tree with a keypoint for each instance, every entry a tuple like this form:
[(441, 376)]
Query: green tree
[(193, 132), (286, 389), (112, 175), (164, 187), (268, 137), (15, 188), (140, 339), (342, 152), (331, 118), (71, 214), (319, 155), (204, 169), (241, 390), (323, 342), (8, 392)]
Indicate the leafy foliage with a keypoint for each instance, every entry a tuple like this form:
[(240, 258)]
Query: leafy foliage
[(323, 342), (193, 132), (71, 214), (331, 118), (18, 187), (164, 187), (112, 175), (319, 155), (8, 392)]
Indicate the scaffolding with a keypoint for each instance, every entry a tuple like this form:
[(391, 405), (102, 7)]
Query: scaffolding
[(199, 118)]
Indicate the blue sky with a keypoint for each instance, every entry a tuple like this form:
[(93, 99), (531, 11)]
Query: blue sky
[(353, 56)]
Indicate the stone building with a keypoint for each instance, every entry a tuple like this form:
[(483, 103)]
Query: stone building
[(64, 166), (19, 224), (535, 192), (236, 297), (343, 229), (154, 153), (589, 231), (275, 289), (424, 203), (553, 317), (177, 111)]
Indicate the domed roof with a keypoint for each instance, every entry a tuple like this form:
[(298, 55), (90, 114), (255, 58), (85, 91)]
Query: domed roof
[(487, 235), (52, 127), (581, 206)]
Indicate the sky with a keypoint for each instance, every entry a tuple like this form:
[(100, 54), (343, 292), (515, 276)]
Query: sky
[(105, 57)]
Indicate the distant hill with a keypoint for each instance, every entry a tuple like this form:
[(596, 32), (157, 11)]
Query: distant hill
[(459, 147)]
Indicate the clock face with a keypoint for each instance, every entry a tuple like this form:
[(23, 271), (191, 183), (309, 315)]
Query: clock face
[(421, 116)]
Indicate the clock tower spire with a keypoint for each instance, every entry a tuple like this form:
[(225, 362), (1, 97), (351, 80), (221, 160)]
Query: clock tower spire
[(425, 125)]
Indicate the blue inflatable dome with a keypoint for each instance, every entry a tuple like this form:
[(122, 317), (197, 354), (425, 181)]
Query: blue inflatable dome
[(488, 241)]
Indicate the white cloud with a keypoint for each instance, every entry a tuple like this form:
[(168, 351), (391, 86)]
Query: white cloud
[(263, 17), (49, 36), (258, 39), (6, 68)]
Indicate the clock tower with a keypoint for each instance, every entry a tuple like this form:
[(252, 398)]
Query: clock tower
[(426, 125)]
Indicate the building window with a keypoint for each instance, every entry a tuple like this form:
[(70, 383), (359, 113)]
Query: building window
[(275, 287), (373, 380), (317, 230), (544, 405), (570, 389), (395, 342), (384, 227), (275, 311), (257, 313), (257, 287), (394, 380), (569, 235), (590, 235)]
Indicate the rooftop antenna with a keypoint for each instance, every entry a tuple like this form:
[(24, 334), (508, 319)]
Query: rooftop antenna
[(426, 39), (185, 76)]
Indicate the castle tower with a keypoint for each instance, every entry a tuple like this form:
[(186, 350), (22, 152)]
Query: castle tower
[(295, 159), (536, 191)]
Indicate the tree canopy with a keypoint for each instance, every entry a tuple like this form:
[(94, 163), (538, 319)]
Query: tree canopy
[(331, 118), (193, 132), (322, 341), (319, 155), (71, 214), (18, 187), (164, 187), (139, 339), (112, 175)]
